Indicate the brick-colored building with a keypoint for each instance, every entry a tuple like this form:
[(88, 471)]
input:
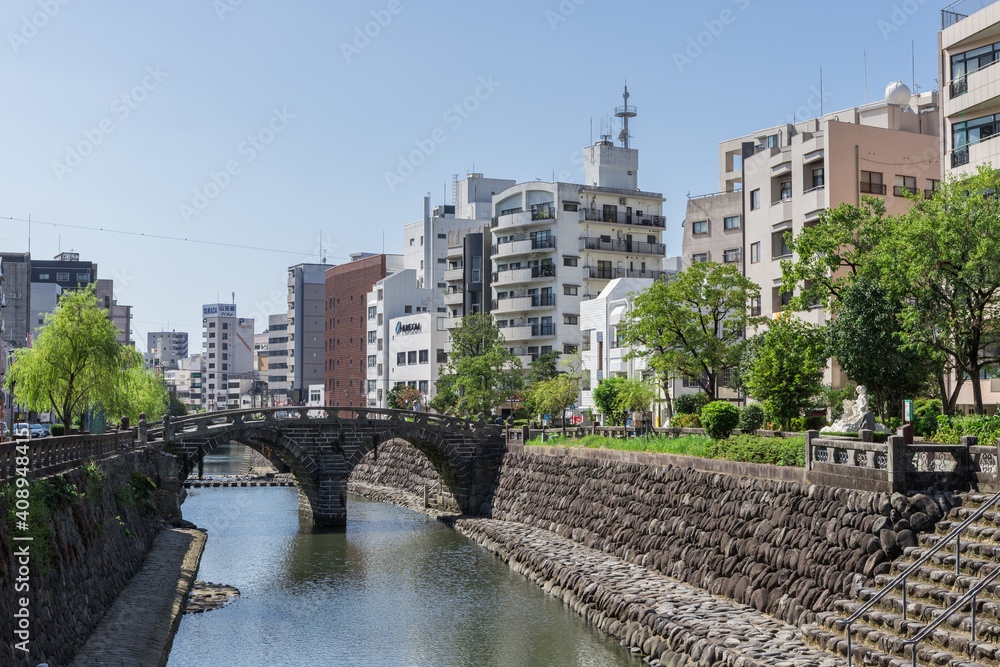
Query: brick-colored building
[(347, 285)]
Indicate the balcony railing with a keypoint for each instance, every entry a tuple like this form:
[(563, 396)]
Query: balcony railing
[(872, 188), (599, 273), (902, 190), (619, 218), (543, 271), (525, 301), (623, 245), (536, 243)]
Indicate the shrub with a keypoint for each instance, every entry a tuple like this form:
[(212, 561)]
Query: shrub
[(690, 404), (754, 449), (951, 429), (685, 421), (57, 429), (751, 418), (925, 414), (720, 418)]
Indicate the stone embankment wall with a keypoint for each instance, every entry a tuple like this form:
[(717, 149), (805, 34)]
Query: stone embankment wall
[(783, 548), (399, 466), (92, 529)]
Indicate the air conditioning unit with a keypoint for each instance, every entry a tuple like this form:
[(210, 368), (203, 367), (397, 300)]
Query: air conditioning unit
[(621, 200)]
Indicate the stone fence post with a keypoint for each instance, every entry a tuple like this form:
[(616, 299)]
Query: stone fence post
[(143, 430), (810, 435), (168, 431), (525, 433), (970, 474), (897, 463)]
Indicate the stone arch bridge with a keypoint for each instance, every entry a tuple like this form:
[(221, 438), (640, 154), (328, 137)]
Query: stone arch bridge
[(321, 446)]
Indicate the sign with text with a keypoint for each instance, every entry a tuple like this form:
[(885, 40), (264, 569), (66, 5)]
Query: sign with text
[(219, 310)]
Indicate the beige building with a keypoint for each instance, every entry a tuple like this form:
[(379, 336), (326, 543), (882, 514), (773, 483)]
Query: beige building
[(969, 47), (713, 229)]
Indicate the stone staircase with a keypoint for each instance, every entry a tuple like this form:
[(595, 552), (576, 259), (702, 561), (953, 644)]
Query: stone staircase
[(880, 634)]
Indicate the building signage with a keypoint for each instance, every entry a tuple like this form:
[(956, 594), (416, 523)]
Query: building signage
[(412, 327), (219, 310)]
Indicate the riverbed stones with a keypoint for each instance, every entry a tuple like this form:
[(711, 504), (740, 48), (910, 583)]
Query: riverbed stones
[(207, 596)]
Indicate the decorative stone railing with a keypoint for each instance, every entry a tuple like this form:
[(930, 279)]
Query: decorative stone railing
[(862, 464), (51, 455)]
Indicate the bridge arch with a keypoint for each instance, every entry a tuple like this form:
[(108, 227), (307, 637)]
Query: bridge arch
[(322, 447)]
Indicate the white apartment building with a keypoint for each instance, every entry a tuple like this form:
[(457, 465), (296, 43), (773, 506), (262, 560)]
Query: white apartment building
[(277, 359), (556, 245), (167, 348), (228, 351), (412, 359), (306, 328)]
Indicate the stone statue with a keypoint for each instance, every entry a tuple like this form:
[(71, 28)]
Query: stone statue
[(857, 415)]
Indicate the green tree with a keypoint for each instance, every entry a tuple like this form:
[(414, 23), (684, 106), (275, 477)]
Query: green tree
[(445, 401), (787, 370), (867, 340), (606, 399), (941, 261), (175, 408), (483, 372), (635, 395), (830, 254), (140, 391), (402, 397), (75, 364), (544, 367), (554, 395), (692, 324)]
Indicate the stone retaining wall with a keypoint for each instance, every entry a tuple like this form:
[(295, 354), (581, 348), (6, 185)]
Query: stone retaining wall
[(400, 466), (98, 541)]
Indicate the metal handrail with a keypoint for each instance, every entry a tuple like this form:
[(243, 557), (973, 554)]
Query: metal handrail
[(955, 532), (970, 596)]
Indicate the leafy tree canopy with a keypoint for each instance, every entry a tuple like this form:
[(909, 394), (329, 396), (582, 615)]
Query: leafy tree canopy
[(481, 369)]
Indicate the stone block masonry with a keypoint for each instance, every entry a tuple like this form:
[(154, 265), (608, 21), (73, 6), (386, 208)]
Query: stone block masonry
[(92, 531)]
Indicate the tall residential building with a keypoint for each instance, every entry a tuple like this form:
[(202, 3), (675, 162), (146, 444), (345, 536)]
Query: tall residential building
[(558, 244), (120, 315), (348, 339), (306, 325), (167, 348), (15, 299), (277, 359), (65, 270), (969, 49), (713, 229), (228, 352), (790, 173)]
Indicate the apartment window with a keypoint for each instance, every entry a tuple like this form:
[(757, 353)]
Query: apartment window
[(904, 185), (731, 222), (779, 246), (401, 358), (772, 141), (407, 309), (371, 336), (442, 260), (784, 190), (871, 183), (699, 227), (699, 257), (755, 307), (424, 354), (372, 360), (211, 325), (421, 240), (83, 277), (963, 64), (755, 199), (371, 386), (571, 290), (62, 276), (781, 299), (571, 319), (477, 269), (569, 348), (412, 241), (731, 256), (372, 311), (424, 386), (570, 206), (43, 276), (571, 261), (442, 357), (818, 177), (411, 357), (381, 294), (442, 236)]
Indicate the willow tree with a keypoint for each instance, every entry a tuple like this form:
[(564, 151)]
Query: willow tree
[(76, 363)]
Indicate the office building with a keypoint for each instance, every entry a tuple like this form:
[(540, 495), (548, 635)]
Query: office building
[(167, 348), (277, 359), (306, 328), (228, 353)]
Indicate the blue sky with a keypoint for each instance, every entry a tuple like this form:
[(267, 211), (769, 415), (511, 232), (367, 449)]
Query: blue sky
[(268, 124)]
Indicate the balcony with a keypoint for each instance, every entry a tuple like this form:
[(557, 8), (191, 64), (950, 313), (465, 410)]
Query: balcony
[(454, 298), (519, 330), (452, 274), (636, 219), (872, 188), (623, 245), (511, 276), (521, 303), (519, 245), (546, 211), (518, 218), (599, 273), (902, 191)]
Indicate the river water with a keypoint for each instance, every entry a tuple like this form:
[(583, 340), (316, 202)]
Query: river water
[(394, 588)]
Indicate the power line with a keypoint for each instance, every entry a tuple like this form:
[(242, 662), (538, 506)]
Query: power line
[(160, 237)]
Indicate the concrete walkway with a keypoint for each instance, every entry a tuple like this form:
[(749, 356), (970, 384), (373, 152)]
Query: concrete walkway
[(139, 628)]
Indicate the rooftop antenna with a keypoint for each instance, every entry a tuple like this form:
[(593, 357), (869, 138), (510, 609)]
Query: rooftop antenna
[(866, 77), (322, 254), (820, 92), (234, 298), (625, 112), (913, 66)]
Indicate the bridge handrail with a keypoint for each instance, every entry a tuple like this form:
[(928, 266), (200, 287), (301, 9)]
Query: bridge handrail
[(53, 454), (301, 412)]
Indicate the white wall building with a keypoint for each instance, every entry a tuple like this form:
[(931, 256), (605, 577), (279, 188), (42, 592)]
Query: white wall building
[(228, 351), (412, 358)]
